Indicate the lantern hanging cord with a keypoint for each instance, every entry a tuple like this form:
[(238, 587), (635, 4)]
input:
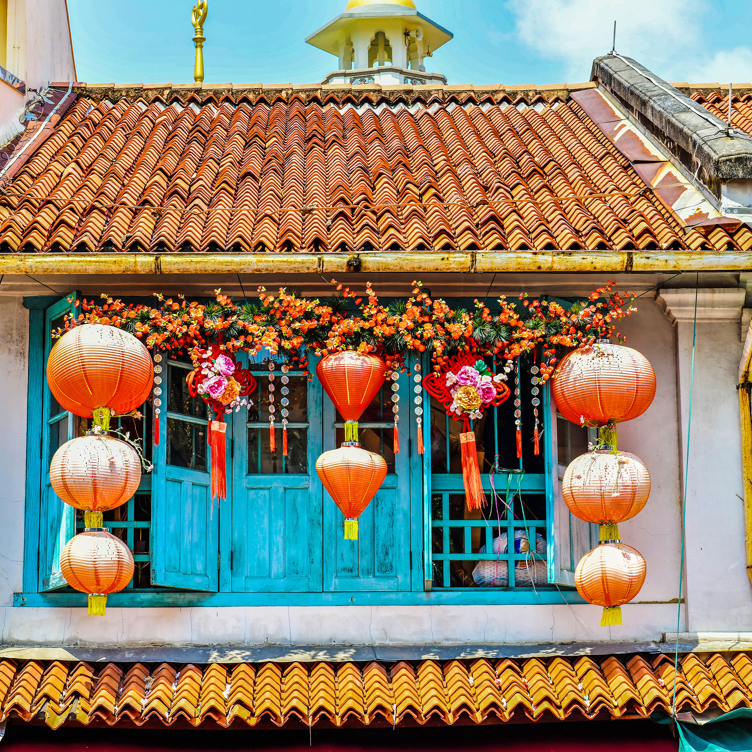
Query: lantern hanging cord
[(684, 503)]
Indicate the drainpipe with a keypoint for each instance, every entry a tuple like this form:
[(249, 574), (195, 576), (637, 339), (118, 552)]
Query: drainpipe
[(745, 414)]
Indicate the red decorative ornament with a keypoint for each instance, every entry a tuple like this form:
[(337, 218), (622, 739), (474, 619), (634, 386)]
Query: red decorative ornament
[(352, 380), (466, 401), (223, 384), (603, 383)]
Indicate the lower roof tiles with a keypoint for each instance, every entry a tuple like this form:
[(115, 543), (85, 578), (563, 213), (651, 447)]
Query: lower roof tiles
[(408, 693)]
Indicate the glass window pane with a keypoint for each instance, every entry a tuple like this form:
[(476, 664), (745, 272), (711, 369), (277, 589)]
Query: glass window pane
[(572, 440), (186, 444), (178, 399), (58, 434), (378, 440), (297, 396), (262, 461)]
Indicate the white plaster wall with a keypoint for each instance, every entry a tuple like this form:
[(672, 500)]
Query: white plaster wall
[(719, 592), (49, 54)]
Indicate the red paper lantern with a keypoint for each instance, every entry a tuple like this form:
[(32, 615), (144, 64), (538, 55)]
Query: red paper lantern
[(603, 383), (96, 473), (94, 366), (609, 576), (606, 488), (97, 563), (352, 380), (352, 476)]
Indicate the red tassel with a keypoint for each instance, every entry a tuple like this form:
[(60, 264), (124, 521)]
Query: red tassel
[(156, 430), (537, 442), (421, 448), (272, 439), (474, 495), (217, 433), (284, 440), (396, 439), (519, 443)]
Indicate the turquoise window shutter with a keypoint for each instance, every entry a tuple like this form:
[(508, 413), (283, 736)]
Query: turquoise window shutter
[(185, 520), (276, 534), (57, 519), (380, 559)]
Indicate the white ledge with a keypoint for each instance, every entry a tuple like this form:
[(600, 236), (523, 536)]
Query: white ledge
[(714, 304)]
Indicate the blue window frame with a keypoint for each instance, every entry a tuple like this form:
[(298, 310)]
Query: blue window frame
[(278, 537)]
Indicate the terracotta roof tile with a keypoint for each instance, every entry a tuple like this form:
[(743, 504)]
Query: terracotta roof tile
[(282, 169)]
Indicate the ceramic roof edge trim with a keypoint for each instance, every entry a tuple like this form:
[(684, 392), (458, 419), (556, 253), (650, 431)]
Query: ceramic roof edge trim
[(375, 693), (687, 130), (480, 262)]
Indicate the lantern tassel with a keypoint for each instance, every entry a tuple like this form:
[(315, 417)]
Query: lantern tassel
[(351, 529), (351, 431), (536, 442), (93, 520), (284, 440), (218, 430), (471, 472), (421, 447), (396, 439), (611, 616), (97, 604), (609, 532), (519, 444), (156, 430), (272, 439)]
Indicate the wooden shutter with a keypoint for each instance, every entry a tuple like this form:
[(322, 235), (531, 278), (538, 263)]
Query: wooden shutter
[(569, 538), (185, 521), (57, 519), (276, 530)]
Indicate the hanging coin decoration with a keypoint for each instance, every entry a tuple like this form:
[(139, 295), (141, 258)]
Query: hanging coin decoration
[(285, 402), (157, 394), (418, 400), (535, 391), (395, 408), (272, 410), (518, 409)]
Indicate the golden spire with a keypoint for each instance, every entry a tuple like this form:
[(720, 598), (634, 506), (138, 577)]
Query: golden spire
[(198, 16)]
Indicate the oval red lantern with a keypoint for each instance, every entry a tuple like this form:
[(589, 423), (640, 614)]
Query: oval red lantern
[(96, 473), (606, 488), (352, 476), (352, 380), (603, 383), (97, 563), (94, 366), (610, 575)]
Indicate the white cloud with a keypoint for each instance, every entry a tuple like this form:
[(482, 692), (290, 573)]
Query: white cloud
[(664, 35)]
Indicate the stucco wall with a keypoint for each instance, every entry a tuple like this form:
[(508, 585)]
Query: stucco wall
[(49, 56), (719, 593)]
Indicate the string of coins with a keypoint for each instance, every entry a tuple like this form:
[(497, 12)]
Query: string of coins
[(395, 408), (272, 410), (535, 391), (285, 402), (157, 394), (518, 409), (418, 399)]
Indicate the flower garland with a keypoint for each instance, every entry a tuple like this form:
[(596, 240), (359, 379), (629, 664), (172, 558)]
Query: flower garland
[(294, 327)]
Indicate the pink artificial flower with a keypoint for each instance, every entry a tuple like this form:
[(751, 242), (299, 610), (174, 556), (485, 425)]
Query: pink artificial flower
[(451, 379), (224, 365), (215, 386), (487, 392), (468, 376)]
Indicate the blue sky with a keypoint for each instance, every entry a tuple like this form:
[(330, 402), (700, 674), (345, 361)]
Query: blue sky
[(495, 41)]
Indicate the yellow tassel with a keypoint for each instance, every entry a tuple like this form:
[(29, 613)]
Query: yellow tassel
[(611, 616), (101, 417), (609, 532), (97, 604), (351, 530), (351, 430), (607, 436), (93, 519)]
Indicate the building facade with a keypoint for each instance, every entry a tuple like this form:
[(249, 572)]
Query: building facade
[(383, 174)]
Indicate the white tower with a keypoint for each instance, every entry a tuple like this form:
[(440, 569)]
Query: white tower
[(382, 42)]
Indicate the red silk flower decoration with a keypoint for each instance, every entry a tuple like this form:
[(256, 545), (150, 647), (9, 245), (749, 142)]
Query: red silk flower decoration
[(224, 385), (465, 387)]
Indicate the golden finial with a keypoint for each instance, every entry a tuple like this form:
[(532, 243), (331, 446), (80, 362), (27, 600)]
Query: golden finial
[(198, 16)]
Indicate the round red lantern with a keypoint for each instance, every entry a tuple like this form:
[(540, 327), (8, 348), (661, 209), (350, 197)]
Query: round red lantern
[(94, 366), (352, 476), (603, 383), (609, 576), (352, 380), (606, 488), (95, 472), (97, 563)]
